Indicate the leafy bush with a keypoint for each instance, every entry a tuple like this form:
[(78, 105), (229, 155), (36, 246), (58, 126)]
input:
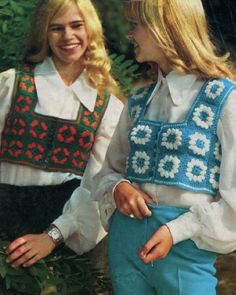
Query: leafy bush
[(55, 275), (15, 19)]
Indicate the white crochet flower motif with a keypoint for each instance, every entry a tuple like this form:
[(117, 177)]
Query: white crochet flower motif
[(217, 151), (214, 177), (140, 162), (135, 112), (199, 144), (214, 89), (141, 134), (203, 116), (171, 139), (196, 170), (138, 94), (169, 166)]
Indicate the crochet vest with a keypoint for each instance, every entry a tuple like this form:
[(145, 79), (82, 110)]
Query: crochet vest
[(45, 142), (186, 155)]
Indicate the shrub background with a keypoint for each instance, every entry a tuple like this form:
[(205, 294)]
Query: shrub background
[(15, 18)]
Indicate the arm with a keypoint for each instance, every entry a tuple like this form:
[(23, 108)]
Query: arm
[(111, 189), (7, 80), (211, 226), (80, 223)]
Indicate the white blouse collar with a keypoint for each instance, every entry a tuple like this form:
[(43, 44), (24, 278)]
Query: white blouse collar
[(178, 85), (85, 93)]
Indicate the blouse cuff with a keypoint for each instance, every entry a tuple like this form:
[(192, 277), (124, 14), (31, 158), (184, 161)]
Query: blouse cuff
[(80, 223), (184, 227)]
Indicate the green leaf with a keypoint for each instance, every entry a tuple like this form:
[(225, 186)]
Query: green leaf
[(6, 11), (4, 27), (3, 3)]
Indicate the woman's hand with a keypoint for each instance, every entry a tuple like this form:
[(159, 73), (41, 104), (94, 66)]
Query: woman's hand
[(158, 245), (132, 201), (28, 249)]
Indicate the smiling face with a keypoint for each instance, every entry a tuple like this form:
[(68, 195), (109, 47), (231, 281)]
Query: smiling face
[(67, 37), (146, 47)]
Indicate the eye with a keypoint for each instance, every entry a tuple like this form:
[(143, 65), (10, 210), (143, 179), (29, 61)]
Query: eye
[(55, 28), (77, 24)]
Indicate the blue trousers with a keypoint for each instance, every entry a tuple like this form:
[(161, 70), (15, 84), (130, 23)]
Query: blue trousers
[(186, 270)]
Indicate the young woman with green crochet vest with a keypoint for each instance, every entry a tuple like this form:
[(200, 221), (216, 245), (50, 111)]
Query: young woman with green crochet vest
[(167, 189), (57, 115)]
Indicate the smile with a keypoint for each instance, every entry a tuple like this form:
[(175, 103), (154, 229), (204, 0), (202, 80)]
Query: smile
[(70, 46)]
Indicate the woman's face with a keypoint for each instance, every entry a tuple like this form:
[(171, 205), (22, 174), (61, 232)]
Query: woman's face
[(67, 37), (146, 47)]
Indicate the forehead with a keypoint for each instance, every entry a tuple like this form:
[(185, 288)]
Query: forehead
[(68, 14)]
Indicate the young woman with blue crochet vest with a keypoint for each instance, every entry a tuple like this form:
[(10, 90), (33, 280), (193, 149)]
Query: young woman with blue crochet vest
[(57, 115), (167, 189)]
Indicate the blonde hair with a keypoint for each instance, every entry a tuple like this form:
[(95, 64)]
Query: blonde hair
[(97, 62), (180, 28)]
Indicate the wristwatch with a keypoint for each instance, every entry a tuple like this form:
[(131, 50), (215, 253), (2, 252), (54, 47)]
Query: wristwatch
[(55, 234)]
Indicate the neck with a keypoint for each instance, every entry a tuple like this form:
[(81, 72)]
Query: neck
[(69, 72)]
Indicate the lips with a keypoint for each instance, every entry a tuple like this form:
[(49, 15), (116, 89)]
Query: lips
[(70, 46)]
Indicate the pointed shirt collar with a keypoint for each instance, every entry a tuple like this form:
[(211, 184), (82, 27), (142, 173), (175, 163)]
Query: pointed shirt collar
[(81, 89), (178, 85)]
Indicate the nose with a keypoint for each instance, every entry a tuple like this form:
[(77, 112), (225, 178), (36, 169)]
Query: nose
[(68, 33)]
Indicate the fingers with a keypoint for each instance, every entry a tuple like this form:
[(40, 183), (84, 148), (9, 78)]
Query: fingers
[(158, 246), (148, 199), (15, 244), (129, 200), (25, 259), (29, 249)]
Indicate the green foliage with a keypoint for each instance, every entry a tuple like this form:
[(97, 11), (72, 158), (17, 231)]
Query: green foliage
[(124, 71), (14, 23), (115, 25), (55, 275)]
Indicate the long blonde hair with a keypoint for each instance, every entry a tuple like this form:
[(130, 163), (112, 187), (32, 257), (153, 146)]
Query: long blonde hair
[(97, 62), (180, 28)]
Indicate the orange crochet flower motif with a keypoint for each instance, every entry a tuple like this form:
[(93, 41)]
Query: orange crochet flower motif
[(38, 129), (99, 102), (15, 148), (18, 127), (35, 151), (27, 84), (66, 134), (60, 155), (90, 122), (23, 104), (86, 139), (80, 159)]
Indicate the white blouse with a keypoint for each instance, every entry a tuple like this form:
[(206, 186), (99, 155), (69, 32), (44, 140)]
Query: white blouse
[(80, 219), (210, 222)]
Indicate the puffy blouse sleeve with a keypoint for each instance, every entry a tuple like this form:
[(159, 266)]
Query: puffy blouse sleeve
[(212, 226), (80, 222), (7, 80), (113, 169)]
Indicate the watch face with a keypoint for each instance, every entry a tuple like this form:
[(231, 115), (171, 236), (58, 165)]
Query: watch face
[(55, 234)]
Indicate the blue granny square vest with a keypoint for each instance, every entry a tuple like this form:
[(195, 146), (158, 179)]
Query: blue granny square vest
[(186, 155)]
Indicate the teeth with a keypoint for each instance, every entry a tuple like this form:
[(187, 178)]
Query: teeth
[(69, 46)]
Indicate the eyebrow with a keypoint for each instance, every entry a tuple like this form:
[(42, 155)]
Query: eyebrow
[(71, 23)]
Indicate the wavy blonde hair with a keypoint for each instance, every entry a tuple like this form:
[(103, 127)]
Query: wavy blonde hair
[(180, 28), (97, 62)]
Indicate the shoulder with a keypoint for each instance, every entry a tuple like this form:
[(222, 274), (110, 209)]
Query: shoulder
[(8, 75), (7, 79), (142, 92), (114, 102)]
